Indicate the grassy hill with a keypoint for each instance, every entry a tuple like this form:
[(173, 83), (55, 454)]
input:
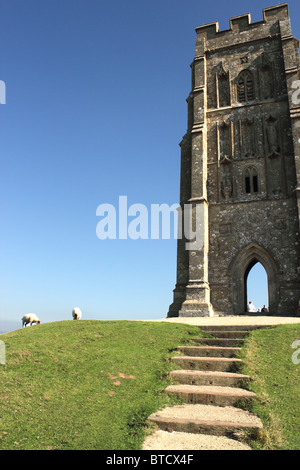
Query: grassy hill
[(272, 359), (84, 385), (93, 384)]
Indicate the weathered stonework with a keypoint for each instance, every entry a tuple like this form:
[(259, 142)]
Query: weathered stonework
[(240, 160)]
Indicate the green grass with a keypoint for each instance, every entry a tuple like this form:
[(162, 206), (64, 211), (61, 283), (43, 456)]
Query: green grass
[(267, 357), (93, 384), (86, 384)]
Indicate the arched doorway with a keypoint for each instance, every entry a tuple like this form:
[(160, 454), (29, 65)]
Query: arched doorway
[(239, 271), (256, 286)]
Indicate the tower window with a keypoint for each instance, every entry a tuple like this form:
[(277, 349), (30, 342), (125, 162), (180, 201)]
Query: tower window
[(255, 184), (248, 184), (245, 86), (251, 180)]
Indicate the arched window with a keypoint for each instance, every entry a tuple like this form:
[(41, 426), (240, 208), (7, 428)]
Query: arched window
[(245, 86), (251, 180)]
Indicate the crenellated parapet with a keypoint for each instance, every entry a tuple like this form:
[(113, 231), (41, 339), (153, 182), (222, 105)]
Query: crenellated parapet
[(242, 25)]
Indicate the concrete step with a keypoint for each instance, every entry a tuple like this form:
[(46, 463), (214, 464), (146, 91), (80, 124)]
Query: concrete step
[(207, 363), (202, 377), (228, 334), (208, 351), (163, 440), (225, 342), (210, 395), (233, 327), (208, 419)]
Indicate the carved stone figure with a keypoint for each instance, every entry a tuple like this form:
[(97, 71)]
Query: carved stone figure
[(266, 79), (225, 140), (226, 188), (272, 137), (223, 87), (248, 142)]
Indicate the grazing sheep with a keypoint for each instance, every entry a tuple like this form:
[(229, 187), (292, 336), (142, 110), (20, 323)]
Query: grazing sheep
[(30, 318), (76, 313)]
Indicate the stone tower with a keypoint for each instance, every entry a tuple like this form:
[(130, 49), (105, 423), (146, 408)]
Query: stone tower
[(240, 163)]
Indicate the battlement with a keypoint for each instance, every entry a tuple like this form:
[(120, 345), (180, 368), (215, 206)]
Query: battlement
[(241, 23)]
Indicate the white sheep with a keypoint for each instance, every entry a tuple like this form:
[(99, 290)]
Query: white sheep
[(76, 313), (30, 318)]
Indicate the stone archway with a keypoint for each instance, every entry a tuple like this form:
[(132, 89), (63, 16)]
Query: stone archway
[(241, 266), (263, 276)]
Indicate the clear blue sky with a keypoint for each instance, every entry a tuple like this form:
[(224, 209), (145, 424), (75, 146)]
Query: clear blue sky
[(95, 109)]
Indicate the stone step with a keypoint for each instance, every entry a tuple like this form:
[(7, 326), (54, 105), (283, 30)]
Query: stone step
[(202, 377), (208, 351), (225, 342), (228, 334), (232, 327), (207, 419), (210, 395), (163, 440), (207, 363)]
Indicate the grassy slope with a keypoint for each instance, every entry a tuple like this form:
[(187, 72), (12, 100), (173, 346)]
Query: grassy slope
[(267, 357), (84, 385)]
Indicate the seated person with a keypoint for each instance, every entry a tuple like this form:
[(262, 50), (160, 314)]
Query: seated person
[(250, 307)]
